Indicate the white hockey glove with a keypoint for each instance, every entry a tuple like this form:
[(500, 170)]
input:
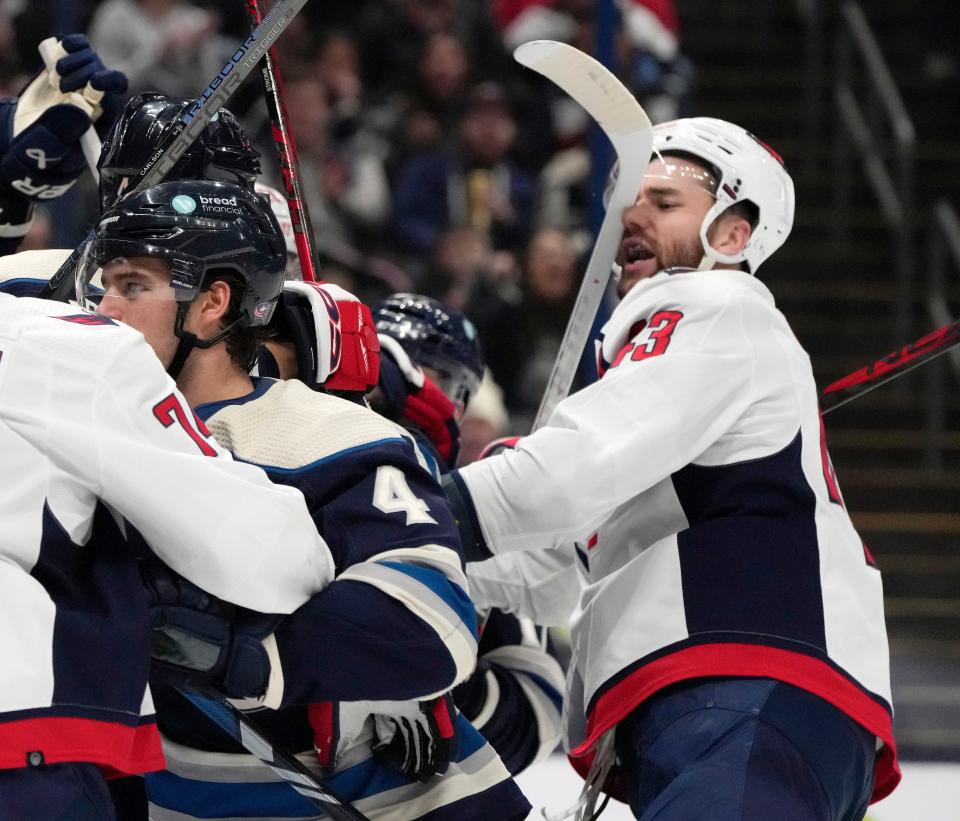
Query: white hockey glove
[(40, 154)]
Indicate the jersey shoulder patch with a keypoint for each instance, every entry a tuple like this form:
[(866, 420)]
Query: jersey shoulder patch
[(85, 318)]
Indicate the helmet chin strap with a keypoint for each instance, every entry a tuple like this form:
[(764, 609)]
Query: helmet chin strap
[(187, 341)]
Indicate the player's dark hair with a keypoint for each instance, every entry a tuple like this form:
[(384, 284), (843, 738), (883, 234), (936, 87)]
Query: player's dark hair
[(243, 344)]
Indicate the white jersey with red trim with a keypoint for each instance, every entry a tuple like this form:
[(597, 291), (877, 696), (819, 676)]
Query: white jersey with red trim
[(95, 435), (711, 529)]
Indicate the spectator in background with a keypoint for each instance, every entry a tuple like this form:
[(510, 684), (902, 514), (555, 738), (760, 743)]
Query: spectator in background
[(535, 326), (161, 45), (9, 59), (473, 183), (344, 181), (337, 65), (649, 57), (484, 420), (469, 275), (393, 32), (428, 114)]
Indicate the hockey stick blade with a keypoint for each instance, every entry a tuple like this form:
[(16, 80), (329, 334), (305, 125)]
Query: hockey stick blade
[(239, 727), (894, 364), (194, 119), (629, 130)]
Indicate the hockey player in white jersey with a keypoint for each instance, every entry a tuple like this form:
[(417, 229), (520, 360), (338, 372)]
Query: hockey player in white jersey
[(91, 430), (396, 627), (730, 651)]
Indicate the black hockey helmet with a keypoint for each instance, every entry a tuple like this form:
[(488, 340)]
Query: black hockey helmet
[(436, 336), (198, 227), (222, 151)]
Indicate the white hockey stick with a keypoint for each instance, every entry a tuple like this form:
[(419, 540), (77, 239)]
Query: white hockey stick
[(624, 122)]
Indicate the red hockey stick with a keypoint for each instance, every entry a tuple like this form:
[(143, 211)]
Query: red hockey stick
[(894, 364), (286, 148)]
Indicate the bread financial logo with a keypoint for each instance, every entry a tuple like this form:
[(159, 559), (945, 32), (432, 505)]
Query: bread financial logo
[(184, 204), (220, 205)]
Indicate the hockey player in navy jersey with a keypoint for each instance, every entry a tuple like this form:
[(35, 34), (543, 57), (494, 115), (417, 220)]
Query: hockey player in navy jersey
[(396, 627), (432, 365), (730, 652), (514, 694)]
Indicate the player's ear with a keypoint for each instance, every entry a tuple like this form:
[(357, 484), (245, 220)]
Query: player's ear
[(729, 234), (210, 308)]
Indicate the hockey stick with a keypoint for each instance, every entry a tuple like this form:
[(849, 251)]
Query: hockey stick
[(239, 727), (624, 122), (197, 116), (286, 149), (894, 364), (89, 142)]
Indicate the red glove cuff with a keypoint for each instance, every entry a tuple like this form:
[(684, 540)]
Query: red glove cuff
[(359, 367), (499, 445), (431, 411)]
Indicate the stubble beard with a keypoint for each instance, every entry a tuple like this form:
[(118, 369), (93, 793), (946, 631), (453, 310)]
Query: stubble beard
[(675, 255)]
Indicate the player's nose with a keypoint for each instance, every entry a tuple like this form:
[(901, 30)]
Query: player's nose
[(635, 216), (110, 307)]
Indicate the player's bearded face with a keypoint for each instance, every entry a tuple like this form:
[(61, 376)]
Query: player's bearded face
[(137, 292), (662, 228)]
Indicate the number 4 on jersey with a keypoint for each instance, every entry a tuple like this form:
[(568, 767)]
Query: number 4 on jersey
[(392, 494)]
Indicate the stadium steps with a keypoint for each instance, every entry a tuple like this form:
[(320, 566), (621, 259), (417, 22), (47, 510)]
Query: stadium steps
[(837, 291)]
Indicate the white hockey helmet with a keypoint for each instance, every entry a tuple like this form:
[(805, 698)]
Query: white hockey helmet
[(747, 170)]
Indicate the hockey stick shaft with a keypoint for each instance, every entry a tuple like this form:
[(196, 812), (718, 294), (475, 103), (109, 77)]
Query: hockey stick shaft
[(286, 149), (894, 364), (89, 141), (621, 118), (195, 118), (239, 727)]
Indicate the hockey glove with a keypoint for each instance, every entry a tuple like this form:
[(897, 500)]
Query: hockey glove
[(198, 641), (498, 446), (410, 397), (422, 745), (40, 154), (333, 335), (416, 739)]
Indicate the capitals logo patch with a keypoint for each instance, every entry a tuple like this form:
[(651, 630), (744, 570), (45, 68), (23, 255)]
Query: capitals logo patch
[(86, 319)]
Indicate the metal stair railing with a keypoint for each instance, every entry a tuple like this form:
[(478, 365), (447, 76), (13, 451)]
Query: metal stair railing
[(814, 72), (874, 121), (943, 255)]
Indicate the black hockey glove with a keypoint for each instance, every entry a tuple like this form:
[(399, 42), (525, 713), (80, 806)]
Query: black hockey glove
[(198, 641), (416, 739), (419, 746)]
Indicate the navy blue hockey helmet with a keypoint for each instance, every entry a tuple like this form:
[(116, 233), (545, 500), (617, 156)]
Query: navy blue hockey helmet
[(201, 229), (222, 151), (435, 336)]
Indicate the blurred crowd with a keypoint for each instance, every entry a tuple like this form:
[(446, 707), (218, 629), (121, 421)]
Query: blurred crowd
[(431, 161)]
